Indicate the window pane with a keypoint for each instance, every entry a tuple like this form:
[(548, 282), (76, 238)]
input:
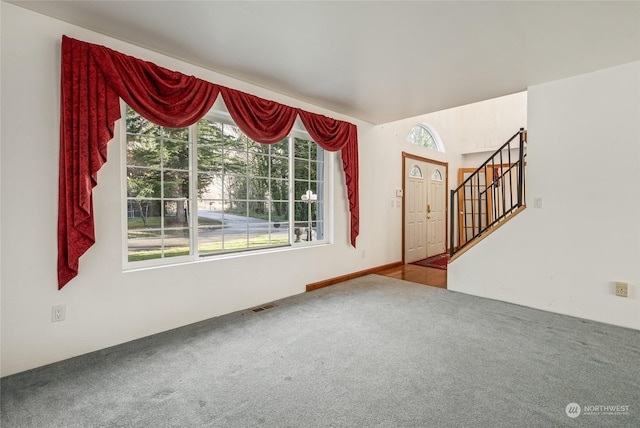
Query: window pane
[(259, 165), (314, 211), (279, 212), (236, 207), (143, 214), (279, 190), (158, 184), (318, 209), (144, 245), (415, 171), (258, 188), (176, 242), (258, 210), (209, 158), (176, 184), (301, 148), (235, 187), (235, 226), (301, 213), (210, 186), (314, 170), (281, 148), (313, 186), (301, 169), (255, 149), (318, 230), (180, 134), (176, 213), (209, 239), (143, 151), (422, 135), (143, 183), (279, 233), (234, 138), (210, 213), (301, 188), (175, 155), (258, 234), (210, 226), (307, 190), (234, 162), (210, 133), (279, 167), (313, 150)]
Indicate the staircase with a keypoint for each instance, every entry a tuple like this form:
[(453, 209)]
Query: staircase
[(489, 196)]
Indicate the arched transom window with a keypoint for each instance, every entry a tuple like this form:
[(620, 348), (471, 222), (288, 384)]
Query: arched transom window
[(424, 135)]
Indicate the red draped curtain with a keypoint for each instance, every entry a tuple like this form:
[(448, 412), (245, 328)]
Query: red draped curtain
[(93, 80)]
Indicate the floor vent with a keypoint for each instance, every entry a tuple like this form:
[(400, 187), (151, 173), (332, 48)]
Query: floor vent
[(263, 308)]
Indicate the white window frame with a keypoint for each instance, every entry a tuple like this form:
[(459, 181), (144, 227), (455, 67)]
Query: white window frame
[(219, 113)]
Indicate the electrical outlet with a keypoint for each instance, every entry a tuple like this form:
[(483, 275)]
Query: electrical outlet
[(58, 313), (622, 289)]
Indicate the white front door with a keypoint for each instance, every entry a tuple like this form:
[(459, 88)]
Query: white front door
[(415, 228), (436, 211), (425, 210)]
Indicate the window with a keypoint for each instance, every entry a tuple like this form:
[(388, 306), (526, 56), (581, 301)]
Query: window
[(415, 171), (424, 135), (308, 160), (209, 189), (158, 189), (437, 175)]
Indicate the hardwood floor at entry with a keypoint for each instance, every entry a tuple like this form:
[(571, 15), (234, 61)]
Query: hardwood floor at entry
[(419, 274)]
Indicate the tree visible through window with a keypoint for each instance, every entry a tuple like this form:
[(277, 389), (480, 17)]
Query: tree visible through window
[(424, 135), (209, 189)]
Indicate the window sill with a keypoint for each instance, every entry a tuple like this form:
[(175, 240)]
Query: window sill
[(187, 260)]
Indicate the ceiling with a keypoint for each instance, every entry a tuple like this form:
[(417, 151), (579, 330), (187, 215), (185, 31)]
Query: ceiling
[(375, 61)]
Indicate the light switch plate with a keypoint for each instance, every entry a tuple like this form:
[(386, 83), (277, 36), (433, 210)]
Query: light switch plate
[(537, 202)]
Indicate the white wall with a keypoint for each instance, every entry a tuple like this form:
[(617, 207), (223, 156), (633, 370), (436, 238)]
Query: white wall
[(486, 125), (584, 161), (104, 305), (470, 133)]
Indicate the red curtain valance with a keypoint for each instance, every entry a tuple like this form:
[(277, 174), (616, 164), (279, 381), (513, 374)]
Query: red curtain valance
[(93, 80)]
